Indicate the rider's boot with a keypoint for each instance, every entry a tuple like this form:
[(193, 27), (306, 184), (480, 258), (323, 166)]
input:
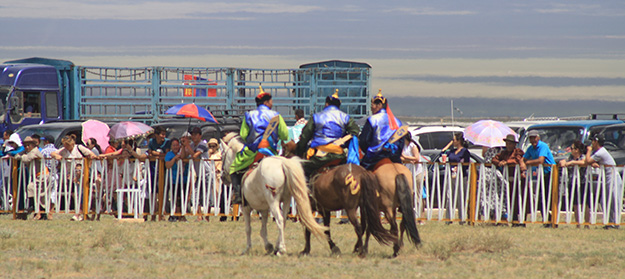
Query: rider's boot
[(237, 178)]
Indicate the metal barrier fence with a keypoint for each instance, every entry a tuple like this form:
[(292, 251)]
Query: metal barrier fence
[(551, 195), (476, 193), (127, 187)]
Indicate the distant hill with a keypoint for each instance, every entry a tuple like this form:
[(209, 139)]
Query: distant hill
[(484, 107)]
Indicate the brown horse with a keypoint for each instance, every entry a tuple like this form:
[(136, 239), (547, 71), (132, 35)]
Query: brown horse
[(348, 187), (395, 191)]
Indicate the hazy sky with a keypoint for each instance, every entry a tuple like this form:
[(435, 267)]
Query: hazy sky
[(498, 49)]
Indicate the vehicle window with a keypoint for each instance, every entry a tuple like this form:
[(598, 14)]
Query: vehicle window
[(52, 105), (558, 138), (440, 139), (614, 138), (31, 104)]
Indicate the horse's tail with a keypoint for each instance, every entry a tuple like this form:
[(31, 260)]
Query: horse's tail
[(369, 208), (296, 181), (407, 208)]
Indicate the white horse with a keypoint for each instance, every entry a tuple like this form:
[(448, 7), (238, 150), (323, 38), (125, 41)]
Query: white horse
[(274, 180)]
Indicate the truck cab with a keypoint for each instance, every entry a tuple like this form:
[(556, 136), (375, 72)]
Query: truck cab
[(29, 94)]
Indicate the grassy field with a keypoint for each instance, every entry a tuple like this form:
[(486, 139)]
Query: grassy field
[(60, 248)]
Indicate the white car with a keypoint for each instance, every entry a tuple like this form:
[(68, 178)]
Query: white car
[(434, 137)]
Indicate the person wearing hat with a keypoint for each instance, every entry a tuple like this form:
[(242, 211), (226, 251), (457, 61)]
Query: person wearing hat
[(538, 153), (13, 145), (596, 156), (252, 130), (510, 157), (378, 129), (317, 141), (215, 156), (32, 155)]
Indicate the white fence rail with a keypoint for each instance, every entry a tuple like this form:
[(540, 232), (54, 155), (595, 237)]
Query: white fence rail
[(449, 192)]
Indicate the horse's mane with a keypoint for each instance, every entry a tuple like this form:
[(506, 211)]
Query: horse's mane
[(233, 141)]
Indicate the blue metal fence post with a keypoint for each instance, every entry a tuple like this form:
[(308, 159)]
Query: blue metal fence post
[(72, 111), (230, 88), (156, 92), (368, 87), (313, 89)]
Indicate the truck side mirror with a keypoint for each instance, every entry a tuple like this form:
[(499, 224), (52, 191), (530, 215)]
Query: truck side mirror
[(14, 103)]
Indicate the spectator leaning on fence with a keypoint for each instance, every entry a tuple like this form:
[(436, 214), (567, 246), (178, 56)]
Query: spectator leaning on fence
[(577, 158), (510, 157), (51, 164), (13, 145), (601, 157), (71, 151), (199, 156), (538, 153), (410, 155), (32, 155), (178, 184)]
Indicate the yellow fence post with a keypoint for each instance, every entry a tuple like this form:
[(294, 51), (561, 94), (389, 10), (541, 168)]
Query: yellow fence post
[(472, 191), (554, 196), (85, 186)]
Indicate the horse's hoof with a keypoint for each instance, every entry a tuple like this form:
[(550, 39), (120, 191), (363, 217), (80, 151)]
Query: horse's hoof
[(246, 252), (279, 253), (304, 253), (362, 254), (269, 248), (336, 251)]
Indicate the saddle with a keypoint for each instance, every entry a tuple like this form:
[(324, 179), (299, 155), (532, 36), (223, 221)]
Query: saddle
[(381, 163)]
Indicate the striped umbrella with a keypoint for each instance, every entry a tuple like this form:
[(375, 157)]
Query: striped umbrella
[(192, 111)]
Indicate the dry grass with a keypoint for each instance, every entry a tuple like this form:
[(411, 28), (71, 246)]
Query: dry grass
[(60, 248)]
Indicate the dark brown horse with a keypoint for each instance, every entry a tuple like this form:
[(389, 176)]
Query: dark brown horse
[(395, 182), (348, 187)]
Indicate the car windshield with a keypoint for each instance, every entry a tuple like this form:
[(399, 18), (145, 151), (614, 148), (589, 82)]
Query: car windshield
[(29, 131), (558, 138)]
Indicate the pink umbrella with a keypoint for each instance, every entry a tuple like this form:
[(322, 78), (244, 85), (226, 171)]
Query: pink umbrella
[(489, 133), (97, 130), (129, 129)]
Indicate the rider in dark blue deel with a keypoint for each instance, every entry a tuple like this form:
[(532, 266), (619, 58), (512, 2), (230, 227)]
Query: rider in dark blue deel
[(375, 135)]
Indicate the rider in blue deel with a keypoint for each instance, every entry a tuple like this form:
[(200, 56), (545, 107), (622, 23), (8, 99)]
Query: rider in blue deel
[(377, 131)]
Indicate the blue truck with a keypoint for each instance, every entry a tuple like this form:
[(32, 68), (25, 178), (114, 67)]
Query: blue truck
[(39, 90)]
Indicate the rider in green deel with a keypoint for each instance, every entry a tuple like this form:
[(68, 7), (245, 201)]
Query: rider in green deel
[(253, 131)]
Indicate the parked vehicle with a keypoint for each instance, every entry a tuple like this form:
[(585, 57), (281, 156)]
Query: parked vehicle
[(56, 129), (40, 90), (434, 137), (560, 135)]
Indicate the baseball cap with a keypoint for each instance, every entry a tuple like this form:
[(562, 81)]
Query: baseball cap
[(195, 130), (532, 133), (599, 138)]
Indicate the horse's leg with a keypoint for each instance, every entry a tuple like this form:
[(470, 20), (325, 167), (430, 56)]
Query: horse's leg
[(306, 250), (326, 222), (351, 215), (277, 215), (391, 216), (248, 227), (264, 214)]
